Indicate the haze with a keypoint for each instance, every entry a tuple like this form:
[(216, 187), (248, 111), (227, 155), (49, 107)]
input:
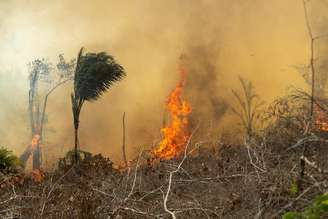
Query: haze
[(259, 40)]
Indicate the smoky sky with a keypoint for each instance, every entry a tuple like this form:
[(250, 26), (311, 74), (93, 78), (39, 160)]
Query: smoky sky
[(223, 39)]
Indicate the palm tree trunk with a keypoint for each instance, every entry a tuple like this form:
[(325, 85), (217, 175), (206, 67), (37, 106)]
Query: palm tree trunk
[(76, 133), (76, 109)]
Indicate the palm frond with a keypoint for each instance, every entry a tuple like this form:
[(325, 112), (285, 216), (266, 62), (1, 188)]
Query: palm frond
[(95, 73)]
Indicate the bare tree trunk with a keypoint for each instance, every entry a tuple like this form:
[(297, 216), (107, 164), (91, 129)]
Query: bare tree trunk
[(36, 157), (312, 67), (76, 109), (313, 78), (25, 155), (37, 120), (33, 149), (123, 144)]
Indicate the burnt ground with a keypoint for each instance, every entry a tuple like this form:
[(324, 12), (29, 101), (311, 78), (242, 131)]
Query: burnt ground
[(226, 181)]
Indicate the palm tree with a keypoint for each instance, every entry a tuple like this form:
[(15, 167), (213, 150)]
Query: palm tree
[(95, 73)]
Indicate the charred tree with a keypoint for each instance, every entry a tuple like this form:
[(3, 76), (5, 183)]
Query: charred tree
[(44, 80)]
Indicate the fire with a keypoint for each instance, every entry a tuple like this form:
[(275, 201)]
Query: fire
[(35, 141), (37, 176), (176, 133), (321, 120)]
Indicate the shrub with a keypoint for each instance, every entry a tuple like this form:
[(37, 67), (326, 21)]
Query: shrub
[(316, 210), (71, 156), (7, 159), (249, 105), (285, 121)]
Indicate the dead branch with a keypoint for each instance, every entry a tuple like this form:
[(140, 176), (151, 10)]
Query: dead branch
[(135, 177), (123, 142), (301, 142), (51, 190), (171, 174), (205, 180), (251, 159), (313, 165)]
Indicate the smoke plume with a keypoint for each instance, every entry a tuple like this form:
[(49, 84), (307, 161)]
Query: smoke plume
[(259, 40)]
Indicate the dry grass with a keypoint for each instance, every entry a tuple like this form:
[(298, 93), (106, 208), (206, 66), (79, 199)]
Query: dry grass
[(263, 177), (243, 181)]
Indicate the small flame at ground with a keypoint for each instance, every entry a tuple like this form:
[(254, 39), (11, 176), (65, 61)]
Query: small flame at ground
[(321, 120), (37, 176), (176, 134)]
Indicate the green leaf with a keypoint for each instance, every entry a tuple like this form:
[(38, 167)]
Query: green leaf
[(292, 215)]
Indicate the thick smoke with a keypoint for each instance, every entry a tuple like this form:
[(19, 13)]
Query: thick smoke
[(203, 88), (259, 40)]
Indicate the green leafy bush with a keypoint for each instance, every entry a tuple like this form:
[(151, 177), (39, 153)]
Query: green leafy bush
[(316, 210), (7, 159)]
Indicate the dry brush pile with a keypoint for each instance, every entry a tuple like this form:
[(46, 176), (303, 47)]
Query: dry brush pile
[(281, 168)]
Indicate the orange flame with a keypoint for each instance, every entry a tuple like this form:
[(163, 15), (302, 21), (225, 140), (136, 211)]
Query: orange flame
[(321, 120), (35, 141), (176, 133), (37, 176)]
